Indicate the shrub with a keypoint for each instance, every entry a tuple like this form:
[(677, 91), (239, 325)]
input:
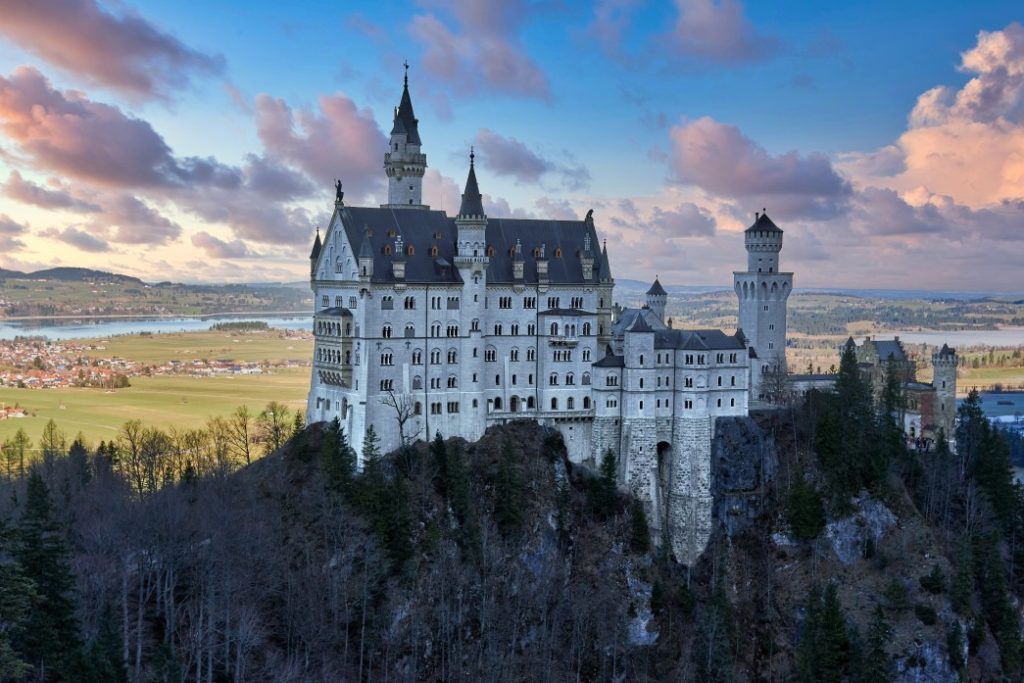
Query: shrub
[(805, 512)]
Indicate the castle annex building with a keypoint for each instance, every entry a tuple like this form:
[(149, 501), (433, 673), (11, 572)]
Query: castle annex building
[(429, 323)]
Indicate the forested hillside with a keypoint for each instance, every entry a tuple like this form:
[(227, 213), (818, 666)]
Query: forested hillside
[(838, 555)]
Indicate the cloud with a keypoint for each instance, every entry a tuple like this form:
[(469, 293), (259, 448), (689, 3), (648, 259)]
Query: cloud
[(441, 192), (30, 193), (338, 141), (498, 207), (509, 157), (78, 238), (482, 52), (124, 52), (129, 220), (686, 220), (719, 159), (716, 31), (219, 249), (967, 144), (612, 18), (10, 230), (559, 209), (274, 181), (75, 136)]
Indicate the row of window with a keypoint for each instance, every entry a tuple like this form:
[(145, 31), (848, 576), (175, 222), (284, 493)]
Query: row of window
[(339, 301), (332, 355), (332, 329), (689, 358)]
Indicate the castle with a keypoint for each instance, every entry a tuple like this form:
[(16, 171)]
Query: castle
[(426, 323)]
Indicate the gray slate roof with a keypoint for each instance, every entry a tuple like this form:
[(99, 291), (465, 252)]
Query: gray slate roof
[(890, 348), (472, 201), (418, 228), (317, 245), (405, 120), (697, 340), (611, 361), (656, 289), (764, 224), (628, 316), (337, 311)]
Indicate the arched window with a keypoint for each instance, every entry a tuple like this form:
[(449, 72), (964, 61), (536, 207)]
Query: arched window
[(570, 403), (490, 251), (553, 379), (386, 332), (586, 329), (529, 402), (586, 379), (497, 403), (417, 382), (586, 403), (554, 404), (554, 329)]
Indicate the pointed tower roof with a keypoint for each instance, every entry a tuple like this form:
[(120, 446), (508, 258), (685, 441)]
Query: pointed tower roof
[(405, 120), (472, 200), (604, 270), (656, 289), (365, 249), (317, 246), (763, 224)]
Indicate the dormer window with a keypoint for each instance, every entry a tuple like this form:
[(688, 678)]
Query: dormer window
[(410, 251), (391, 233), (490, 251), (387, 249), (536, 252), (433, 251), (558, 252)]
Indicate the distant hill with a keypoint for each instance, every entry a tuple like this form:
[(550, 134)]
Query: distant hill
[(68, 274)]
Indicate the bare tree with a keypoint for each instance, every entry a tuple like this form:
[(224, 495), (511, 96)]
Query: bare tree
[(775, 385), (404, 406), (240, 433), (272, 426)]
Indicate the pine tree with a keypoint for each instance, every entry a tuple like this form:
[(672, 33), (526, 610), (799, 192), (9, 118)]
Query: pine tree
[(371, 448), (337, 458), (640, 532), (53, 442), (824, 651), (877, 664), (962, 588), (17, 599), (602, 494), (804, 511), (50, 640), (298, 424), (439, 451), (509, 492)]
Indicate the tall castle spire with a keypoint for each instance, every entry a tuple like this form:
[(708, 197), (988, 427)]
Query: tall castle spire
[(404, 163)]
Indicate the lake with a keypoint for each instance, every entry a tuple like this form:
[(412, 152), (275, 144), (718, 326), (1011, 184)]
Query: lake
[(87, 328), (1007, 336), (1001, 406)]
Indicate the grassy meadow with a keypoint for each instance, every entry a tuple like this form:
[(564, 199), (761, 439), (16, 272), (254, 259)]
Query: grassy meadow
[(168, 400)]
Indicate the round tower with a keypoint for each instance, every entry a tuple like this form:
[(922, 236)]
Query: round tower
[(944, 364), (763, 292)]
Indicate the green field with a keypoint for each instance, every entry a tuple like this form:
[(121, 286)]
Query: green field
[(270, 346), (168, 400)]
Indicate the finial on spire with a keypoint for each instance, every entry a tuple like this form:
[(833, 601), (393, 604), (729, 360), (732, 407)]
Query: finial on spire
[(406, 79), (472, 155)]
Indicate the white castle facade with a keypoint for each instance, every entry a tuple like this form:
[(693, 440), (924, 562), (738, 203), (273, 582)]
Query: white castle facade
[(426, 323)]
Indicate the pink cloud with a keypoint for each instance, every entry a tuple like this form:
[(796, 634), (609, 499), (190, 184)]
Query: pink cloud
[(507, 156), (216, 248), (124, 52), (75, 136), (483, 51), (441, 192), (717, 31), (10, 230), (79, 239), (721, 160), (338, 141), (28, 192)]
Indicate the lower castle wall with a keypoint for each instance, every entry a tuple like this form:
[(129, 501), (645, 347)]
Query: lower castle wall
[(690, 499)]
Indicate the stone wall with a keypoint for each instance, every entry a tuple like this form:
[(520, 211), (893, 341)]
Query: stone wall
[(690, 500), (743, 461)]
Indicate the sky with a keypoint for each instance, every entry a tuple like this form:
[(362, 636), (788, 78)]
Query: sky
[(199, 142)]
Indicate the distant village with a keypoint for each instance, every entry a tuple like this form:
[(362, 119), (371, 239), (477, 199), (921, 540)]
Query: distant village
[(36, 363)]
